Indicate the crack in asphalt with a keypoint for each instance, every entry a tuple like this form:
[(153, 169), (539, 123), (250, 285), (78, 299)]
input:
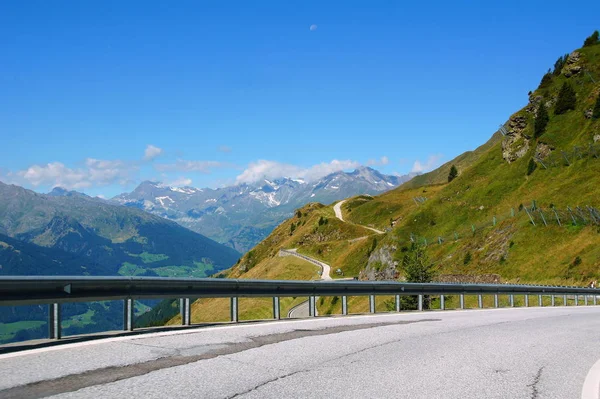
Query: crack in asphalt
[(534, 385), (106, 375)]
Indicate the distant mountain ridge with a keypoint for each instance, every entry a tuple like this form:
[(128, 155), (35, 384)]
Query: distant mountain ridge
[(240, 216), (101, 237)]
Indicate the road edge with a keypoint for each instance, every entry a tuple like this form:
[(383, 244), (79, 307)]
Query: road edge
[(591, 385)]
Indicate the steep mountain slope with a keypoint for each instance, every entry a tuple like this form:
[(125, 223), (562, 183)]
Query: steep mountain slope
[(241, 216), (523, 208), (118, 239)]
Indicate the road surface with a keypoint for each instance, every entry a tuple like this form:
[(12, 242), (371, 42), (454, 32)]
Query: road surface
[(337, 208), (325, 268), (494, 353)]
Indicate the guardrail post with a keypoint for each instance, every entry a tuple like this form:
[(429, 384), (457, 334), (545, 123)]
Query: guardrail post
[(372, 303), (184, 310), (233, 309), (420, 302), (398, 303), (553, 301), (442, 302), (565, 302), (594, 299), (495, 300), (54, 321), (276, 308), (576, 300), (540, 303), (312, 308), (345, 305), (511, 299), (585, 299), (526, 300), (480, 301), (462, 301), (128, 324)]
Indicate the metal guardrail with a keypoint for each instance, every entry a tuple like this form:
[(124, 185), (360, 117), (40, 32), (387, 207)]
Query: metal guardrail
[(17, 290)]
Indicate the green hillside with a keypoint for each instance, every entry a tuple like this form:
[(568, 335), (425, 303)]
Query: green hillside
[(523, 207)]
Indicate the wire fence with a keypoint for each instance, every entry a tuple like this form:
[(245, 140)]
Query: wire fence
[(566, 158), (583, 215)]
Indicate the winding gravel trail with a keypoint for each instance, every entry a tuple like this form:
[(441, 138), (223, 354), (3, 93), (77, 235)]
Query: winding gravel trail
[(337, 208)]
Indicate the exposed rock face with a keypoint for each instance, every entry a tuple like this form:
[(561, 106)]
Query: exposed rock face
[(588, 113), (516, 144), (543, 150), (573, 66), (381, 265), (534, 103), (596, 138)]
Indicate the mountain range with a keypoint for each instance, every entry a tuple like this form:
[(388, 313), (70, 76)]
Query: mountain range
[(242, 215), (69, 233)]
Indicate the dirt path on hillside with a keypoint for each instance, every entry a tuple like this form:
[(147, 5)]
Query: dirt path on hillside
[(337, 208)]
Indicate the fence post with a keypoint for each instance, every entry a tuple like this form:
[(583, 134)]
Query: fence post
[(312, 306), (372, 303), (185, 312), (233, 309), (128, 315), (397, 303), (420, 302), (276, 308), (54, 321)]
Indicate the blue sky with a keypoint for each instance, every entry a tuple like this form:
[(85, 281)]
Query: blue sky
[(98, 96)]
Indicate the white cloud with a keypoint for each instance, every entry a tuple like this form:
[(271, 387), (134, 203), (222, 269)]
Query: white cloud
[(433, 161), (224, 148), (180, 182), (182, 165), (382, 161), (96, 172), (271, 170), (152, 152)]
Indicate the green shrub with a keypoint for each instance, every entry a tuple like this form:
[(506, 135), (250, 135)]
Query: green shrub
[(467, 258), (453, 173)]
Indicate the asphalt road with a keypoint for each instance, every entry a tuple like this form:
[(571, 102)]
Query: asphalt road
[(495, 353)]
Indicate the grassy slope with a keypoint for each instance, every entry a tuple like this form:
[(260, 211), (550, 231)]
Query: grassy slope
[(487, 186)]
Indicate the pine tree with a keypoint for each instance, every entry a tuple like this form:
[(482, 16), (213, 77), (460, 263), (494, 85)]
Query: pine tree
[(541, 120), (559, 64), (593, 39), (546, 80), (531, 166), (417, 269), (453, 173), (596, 113), (567, 99)]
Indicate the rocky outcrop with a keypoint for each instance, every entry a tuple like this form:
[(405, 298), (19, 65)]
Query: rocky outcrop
[(381, 265), (542, 150), (588, 113), (596, 138), (515, 144), (573, 66)]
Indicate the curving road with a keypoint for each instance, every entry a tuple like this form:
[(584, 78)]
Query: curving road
[(495, 353), (337, 208)]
